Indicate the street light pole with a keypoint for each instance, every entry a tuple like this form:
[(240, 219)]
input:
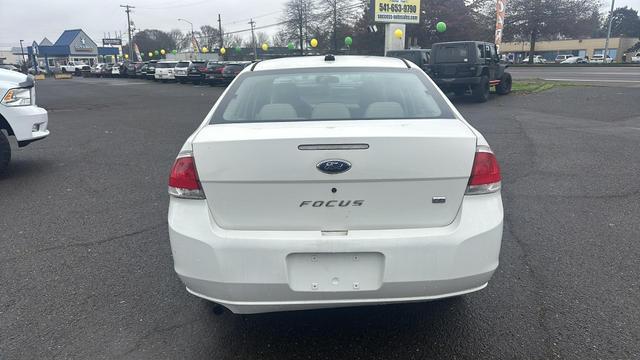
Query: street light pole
[(24, 61), (606, 43), (193, 35)]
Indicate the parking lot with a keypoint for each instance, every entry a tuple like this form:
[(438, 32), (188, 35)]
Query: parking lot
[(86, 268)]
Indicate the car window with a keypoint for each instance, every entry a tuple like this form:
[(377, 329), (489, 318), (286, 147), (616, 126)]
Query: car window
[(165, 65), (183, 64), (451, 54), (336, 94)]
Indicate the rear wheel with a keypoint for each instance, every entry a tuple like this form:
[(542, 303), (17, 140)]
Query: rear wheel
[(5, 152), (481, 91), (505, 84), (460, 92)]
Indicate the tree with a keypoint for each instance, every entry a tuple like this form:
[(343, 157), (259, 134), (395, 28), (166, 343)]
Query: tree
[(279, 39), (209, 36), (152, 39), (299, 19), (339, 17), (545, 19), (182, 41), (261, 38), (625, 23)]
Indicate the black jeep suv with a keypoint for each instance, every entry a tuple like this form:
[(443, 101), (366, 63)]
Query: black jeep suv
[(469, 67)]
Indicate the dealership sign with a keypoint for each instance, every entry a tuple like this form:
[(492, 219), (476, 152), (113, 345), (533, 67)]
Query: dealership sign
[(397, 11), (500, 13), (106, 42)]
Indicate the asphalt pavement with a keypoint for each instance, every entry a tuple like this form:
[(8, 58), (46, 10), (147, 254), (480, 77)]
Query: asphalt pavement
[(628, 76), (86, 269)]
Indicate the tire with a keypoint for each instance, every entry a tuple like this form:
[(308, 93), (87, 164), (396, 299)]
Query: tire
[(505, 84), (5, 152), (196, 82), (460, 92), (480, 92), (64, 71)]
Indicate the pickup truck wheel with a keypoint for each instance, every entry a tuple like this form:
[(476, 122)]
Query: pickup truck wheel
[(5, 152), (64, 71), (481, 91), (505, 84)]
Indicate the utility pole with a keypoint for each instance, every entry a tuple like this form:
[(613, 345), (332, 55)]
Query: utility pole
[(253, 39), (128, 11), (220, 32), (335, 26), (300, 27), (606, 43)]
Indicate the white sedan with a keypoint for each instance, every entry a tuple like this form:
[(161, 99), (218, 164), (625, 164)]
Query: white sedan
[(320, 182)]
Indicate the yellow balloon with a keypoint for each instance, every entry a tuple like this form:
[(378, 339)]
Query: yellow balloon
[(314, 42), (162, 52), (150, 54), (223, 51), (398, 33), (265, 47), (126, 56), (204, 49)]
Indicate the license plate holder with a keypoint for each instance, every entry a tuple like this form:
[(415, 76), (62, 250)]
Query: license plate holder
[(335, 272)]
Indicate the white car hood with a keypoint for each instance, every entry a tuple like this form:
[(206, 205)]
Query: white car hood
[(10, 79)]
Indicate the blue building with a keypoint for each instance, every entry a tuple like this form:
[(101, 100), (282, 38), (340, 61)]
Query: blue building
[(73, 45)]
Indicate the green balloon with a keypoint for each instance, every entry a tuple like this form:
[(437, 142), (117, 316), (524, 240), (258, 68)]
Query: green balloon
[(238, 49), (441, 26), (290, 46), (174, 51), (156, 52), (348, 41)]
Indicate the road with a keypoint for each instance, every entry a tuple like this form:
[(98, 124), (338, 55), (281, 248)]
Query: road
[(608, 76), (86, 269)]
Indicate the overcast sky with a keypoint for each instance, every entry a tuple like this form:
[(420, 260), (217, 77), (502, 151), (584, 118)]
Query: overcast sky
[(34, 19)]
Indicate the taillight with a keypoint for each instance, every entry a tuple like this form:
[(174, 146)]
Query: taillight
[(183, 181), (485, 173), (203, 69)]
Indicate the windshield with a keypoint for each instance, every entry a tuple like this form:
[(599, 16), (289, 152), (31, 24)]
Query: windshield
[(338, 94), (183, 64), (165, 65), (452, 53)]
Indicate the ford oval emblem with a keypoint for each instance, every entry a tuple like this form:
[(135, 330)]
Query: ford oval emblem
[(333, 166)]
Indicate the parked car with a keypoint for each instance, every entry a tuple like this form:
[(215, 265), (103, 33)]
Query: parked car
[(230, 71), (20, 117), (197, 72), (537, 59), (420, 57), (98, 69), (469, 67), (181, 71), (575, 60), (599, 59), (165, 70), (151, 70), (72, 67), (116, 70), (9, 67), (561, 58), (333, 181), (128, 69), (37, 70), (635, 58), (141, 71), (213, 75)]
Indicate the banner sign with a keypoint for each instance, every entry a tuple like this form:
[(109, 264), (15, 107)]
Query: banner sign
[(500, 13), (136, 50), (396, 11), (106, 42)]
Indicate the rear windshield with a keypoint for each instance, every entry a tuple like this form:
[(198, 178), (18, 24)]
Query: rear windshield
[(335, 94), (182, 64), (197, 63), (451, 54), (165, 65)]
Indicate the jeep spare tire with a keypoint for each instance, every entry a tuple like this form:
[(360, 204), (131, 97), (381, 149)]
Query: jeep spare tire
[(505, 84), (481, 91), (5, 152)]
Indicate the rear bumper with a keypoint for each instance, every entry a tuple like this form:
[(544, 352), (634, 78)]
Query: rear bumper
[(29, 123), (447, 82), (250, 271)]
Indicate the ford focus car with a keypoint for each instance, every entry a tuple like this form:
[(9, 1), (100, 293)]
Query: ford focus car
[(320, 182)]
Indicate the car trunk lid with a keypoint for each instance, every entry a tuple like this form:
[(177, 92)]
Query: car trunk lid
[(404, 174)]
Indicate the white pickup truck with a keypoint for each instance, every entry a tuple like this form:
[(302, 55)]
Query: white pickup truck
[(19, 115), (73, 67)]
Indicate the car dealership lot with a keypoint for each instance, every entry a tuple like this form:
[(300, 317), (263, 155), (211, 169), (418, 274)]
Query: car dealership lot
[(86, 269)]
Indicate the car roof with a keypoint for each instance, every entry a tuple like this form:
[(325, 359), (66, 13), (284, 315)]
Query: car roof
[(303, 62)]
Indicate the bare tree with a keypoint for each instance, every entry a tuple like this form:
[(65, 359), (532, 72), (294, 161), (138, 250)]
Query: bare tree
[(299, 20), (339, 18), (261, 38)]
